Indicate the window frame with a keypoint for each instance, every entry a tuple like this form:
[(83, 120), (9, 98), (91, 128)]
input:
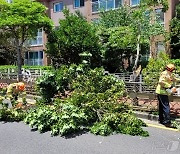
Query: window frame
[(159, 45), (134, 4), (57, 3), (34, 61), (75, 7), (37, 37), (98, 3), (9, 1), (162, 23)]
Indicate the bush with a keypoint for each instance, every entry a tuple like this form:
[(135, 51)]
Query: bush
[(155, 66), (12, 114), (46, 86), (5, 67)]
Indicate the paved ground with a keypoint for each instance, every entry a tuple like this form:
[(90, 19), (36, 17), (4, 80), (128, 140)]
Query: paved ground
[(17, 138)]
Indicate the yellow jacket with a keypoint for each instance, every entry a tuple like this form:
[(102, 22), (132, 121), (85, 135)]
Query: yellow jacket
[(166, 80)]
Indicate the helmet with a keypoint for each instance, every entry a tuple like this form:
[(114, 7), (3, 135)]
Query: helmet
[(170, 67), (21, 86)]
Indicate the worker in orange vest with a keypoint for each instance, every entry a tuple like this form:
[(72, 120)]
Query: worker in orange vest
[(14, 90)]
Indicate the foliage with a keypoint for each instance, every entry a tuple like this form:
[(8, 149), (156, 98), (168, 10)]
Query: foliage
[(154, 3), (59, 81), (65, 44), (155, 66), (7, 55), (175, 34), (22, 19), (5, 67), (125, 123), (116, 48), (176, 124), (12, 114), (115, 18), (46, 85), (126, 37), (92, 104)]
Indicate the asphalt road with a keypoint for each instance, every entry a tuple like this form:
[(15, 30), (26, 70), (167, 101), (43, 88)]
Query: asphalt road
[(17, 138)]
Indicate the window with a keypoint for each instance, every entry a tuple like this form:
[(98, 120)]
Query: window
[(160, 16), (58, 7), (95, 20), (160, 47), (135, 2), (110, 4), (102, 5), (39, 38), (118, 3), (78, 3), (95, 5), (98, 5), (34, 58), (9, 1)]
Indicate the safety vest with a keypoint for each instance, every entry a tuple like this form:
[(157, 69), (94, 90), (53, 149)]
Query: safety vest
[(165, 81)]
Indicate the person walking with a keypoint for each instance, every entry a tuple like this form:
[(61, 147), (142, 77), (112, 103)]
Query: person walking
[(165, 88)]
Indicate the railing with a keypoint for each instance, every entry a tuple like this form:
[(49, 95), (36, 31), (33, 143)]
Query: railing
[(138, 85), (105, 5), (33, 62), (146, 96), (8, 76)]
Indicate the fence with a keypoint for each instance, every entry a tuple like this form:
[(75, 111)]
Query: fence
[(8, 76), (146, 95), (137, 89)]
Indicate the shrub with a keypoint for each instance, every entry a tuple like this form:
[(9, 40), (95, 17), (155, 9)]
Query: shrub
[(46, 86), (155, 66)]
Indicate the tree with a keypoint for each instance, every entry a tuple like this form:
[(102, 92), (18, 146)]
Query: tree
[(7, 54), (153, 3), (115, 18), (175, 34), (73, 41), (22, 19), (140, 21), (118, 43)]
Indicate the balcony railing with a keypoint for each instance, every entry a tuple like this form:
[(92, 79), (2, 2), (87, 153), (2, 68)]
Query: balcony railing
[(105, 5), (33, 62)]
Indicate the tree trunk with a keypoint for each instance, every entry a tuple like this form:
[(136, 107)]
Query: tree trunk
[(137, 52), (19, 63)]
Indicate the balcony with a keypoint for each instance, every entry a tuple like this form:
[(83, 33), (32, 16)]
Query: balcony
[(105, 5), (33, 62)]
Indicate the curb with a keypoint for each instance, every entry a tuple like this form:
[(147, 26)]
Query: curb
[(28, 96), (149, 116)]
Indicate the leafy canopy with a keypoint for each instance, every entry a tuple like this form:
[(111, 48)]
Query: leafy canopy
[(125, 33), (22, 19), (24, 16), (72, 40), (175, 34)]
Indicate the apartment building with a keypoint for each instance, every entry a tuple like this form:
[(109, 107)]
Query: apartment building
[(90, 9)]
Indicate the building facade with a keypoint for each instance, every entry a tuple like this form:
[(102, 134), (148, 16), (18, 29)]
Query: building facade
[(90, 9)]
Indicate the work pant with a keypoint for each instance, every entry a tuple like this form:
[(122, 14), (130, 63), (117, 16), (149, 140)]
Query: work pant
[(164, 109)]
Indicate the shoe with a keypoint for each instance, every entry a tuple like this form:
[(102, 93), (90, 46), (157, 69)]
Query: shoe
[(165, 122)]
